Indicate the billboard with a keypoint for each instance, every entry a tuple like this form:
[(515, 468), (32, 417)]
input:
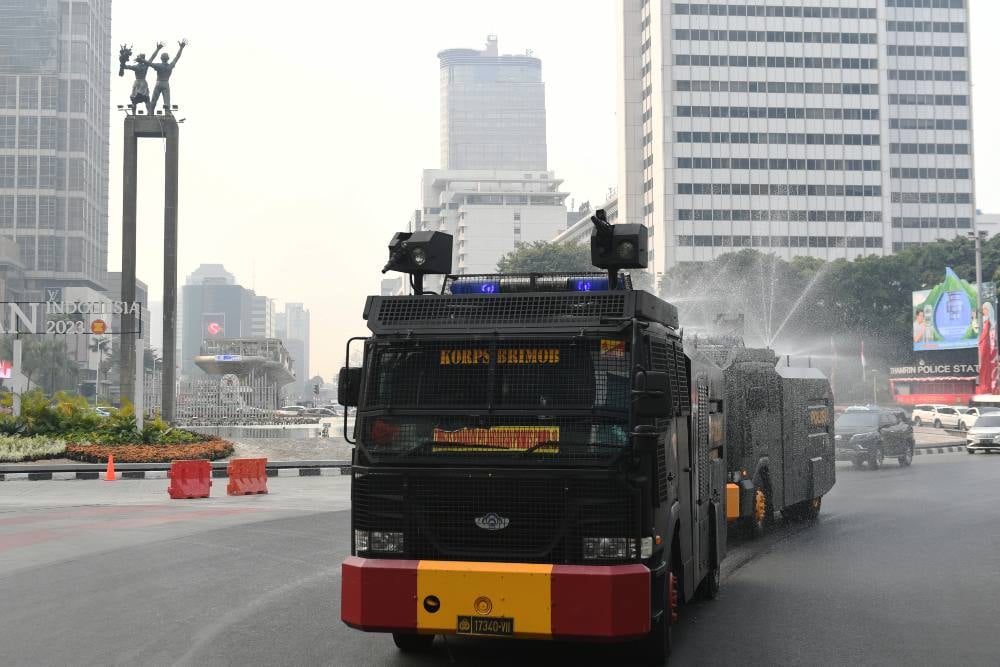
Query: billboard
[(944, 317), (213, 325)]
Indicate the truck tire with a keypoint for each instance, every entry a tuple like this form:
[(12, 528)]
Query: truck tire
[(410, 643), (708, 589), (763, 512), (907, 458), (937, 423), (655, 647)]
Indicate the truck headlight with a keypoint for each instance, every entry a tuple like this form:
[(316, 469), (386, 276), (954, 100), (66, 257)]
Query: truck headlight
[(360, 540), (378, 541), (384, 541), (611, 548)]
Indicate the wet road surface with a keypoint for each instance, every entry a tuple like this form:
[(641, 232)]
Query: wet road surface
[(903, 567)]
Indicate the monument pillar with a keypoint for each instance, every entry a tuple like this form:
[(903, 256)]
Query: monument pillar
[(154, 127)]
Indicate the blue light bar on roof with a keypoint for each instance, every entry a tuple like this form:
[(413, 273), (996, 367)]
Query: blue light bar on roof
[(461, 286), (537, 283), (587, 284)]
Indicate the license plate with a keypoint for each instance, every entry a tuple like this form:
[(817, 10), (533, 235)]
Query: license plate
[(492, 626)]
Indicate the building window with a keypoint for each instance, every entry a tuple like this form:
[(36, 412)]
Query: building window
[(27, 171), (26, 210), (26, 248), (27, 132), (28, 93), (6, 211)]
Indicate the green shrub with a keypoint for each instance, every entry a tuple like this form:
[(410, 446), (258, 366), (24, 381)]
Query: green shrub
[(72, 419), (15, 448)]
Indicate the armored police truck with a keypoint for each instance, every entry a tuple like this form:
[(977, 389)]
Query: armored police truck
[(535, 456), (780, 452)]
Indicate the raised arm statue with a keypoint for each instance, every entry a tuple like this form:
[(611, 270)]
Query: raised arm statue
[(164, 69), (140, 89)]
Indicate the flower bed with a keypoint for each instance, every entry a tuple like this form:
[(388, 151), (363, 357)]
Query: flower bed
[(17, 448), (134, 453)]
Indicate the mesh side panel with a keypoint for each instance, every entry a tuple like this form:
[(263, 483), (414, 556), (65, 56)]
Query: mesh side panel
[(702, 438), (515, 309), (544, 519), (518, 373), (668, 357), (661, 469)]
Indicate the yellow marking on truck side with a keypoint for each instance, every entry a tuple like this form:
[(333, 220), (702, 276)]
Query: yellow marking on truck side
[(732, 501)]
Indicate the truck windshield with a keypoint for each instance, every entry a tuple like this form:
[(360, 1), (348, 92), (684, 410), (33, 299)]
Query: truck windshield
[(528, 397)]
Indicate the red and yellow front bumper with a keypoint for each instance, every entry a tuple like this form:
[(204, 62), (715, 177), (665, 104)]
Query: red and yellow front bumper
[(544, 601)]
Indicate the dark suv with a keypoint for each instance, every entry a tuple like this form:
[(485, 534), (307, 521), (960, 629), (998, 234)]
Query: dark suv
[(871, 434)]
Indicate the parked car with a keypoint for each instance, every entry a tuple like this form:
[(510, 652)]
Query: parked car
[(984, 436), (938, 416), (102, 412), (969, 416), (869, 435), (290, 410), (319, 412)]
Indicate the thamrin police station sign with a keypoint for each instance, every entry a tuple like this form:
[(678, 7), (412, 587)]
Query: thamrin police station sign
[(64, 317)]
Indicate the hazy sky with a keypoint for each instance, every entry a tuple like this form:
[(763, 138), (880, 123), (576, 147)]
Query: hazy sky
[(308, 124)]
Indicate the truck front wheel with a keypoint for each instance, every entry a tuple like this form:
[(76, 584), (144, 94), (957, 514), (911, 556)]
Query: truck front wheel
[(655, 648), (408, 643)]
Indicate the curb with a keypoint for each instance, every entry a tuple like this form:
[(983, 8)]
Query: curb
[(938, 450), (161, 471)]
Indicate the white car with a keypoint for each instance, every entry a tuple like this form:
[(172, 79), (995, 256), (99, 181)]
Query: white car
[(985, 435), (290, 410), (968, 417), (938, 416)]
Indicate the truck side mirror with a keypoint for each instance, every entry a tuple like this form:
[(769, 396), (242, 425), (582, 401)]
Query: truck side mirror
[(651, 396), (349, 387)]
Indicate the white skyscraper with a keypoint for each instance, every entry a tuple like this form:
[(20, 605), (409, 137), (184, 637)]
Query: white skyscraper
[(493, 190), (831, 129)]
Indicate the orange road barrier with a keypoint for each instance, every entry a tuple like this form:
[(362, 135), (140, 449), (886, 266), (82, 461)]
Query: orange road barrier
[(247, 476), (190, 479), (109, 474)]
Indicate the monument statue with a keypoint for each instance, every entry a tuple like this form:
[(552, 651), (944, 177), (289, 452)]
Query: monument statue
[(140, 89), (164, 69)]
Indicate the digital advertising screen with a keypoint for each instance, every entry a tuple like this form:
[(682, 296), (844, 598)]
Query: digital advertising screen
[(944, 317)]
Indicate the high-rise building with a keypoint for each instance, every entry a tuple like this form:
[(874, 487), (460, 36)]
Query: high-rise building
[(262, 317), (54, 120), (296, 339), (494, 189), (492, 110), (489, 212), (833, 128)]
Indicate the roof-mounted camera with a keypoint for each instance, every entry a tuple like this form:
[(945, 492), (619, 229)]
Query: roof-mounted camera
[(616, 247), (419, 254)]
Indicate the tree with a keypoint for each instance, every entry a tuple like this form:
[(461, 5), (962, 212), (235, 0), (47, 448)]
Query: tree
[(44, 360), (546, 257)]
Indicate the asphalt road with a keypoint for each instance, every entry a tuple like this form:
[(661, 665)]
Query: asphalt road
[(903, 567)]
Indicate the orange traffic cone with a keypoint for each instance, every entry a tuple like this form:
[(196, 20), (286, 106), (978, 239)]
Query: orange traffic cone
[(109, 475)]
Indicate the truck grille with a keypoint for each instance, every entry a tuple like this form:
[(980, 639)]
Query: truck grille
[(449, 517)]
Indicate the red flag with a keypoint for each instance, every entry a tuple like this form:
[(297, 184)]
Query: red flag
[(987, 356)]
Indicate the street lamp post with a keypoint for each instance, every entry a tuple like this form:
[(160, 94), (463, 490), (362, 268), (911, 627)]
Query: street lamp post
[(874, 387), (978, 237)]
